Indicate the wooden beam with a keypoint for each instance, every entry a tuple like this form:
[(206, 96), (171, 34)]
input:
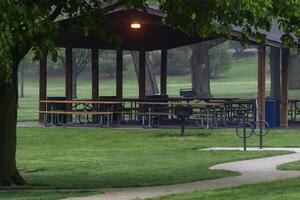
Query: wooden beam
[(163, 71), (95, 73), (69, 80), (142, 74), (95, 78), (284, 88), (261, 82), (43, 88), (119, 75)]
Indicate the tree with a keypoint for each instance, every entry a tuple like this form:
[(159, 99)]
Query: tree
[(32, 25), (208, 18), (220, 59), (81, 59), (151, 83), (108, 64), (24, 66), (200, 71), (208, 60)]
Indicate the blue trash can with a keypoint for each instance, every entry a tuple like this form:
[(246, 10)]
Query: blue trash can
[(272, 112)]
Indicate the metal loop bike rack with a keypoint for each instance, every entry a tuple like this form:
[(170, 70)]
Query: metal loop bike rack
[(245, 130), (246, 126), (263, 125)]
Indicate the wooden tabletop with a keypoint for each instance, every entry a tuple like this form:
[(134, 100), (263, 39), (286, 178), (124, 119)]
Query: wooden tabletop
[(181, 104), (236, 101), (81, 102)]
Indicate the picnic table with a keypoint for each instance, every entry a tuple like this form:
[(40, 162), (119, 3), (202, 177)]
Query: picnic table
[(294, 109), (202, 111), (149, 112), (103, 110)]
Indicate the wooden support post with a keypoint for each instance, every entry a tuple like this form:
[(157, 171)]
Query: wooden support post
[(119, 75), (142, 74), (69, 80), (95, 78), (261, 82), (43, 88), (163, 71), (95, 74), (284, 88)]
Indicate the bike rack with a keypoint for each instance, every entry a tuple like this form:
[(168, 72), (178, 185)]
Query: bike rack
[(249, 129)]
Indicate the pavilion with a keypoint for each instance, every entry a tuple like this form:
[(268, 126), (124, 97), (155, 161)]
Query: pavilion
[(144, 31)]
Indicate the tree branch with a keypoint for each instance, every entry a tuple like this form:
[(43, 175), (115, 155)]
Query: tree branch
[(56, 12)]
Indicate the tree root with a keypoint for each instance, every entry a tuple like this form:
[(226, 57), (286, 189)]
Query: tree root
[(13, 181)]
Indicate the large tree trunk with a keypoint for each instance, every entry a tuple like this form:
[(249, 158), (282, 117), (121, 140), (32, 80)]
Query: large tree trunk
[(200, 70), (151, 83), (9, 175)]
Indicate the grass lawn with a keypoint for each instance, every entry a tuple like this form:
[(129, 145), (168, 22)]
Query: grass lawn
[(240, 81), (277, 190), (69, 158), (42, 195)]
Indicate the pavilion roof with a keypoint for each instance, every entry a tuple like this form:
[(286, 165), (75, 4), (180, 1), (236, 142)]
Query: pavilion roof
[(153, 34)]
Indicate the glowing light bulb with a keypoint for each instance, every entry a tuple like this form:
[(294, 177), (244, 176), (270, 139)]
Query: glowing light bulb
[(135, 25)]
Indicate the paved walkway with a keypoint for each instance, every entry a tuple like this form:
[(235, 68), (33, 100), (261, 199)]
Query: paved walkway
[(252, 171), (29, 124)]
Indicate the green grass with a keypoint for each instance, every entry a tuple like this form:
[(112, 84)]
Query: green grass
[(102, 158), (290, 166), (87, 158), (277, 190), (240, 81), (42, 195)]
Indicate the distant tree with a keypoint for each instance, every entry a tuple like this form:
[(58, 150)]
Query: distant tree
[(151, 83), (108, 64), (220, 58), (81, 59), (24, 66), (209, 59), (178, 61)]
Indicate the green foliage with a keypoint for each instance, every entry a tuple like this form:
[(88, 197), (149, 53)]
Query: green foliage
[(27, 64), (107, 63), (178, 61), (206, 18), (33, 25), (220, 59)]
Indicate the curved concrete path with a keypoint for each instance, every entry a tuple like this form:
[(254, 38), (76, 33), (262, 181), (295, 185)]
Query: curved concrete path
[(252, 171)]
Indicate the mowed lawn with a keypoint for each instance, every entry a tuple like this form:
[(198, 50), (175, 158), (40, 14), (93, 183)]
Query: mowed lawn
[(87, 158), (240, 81), (276, 190)]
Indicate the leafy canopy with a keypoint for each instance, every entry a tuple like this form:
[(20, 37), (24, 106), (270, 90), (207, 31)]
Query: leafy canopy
[(32, 24), (206, 17)]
